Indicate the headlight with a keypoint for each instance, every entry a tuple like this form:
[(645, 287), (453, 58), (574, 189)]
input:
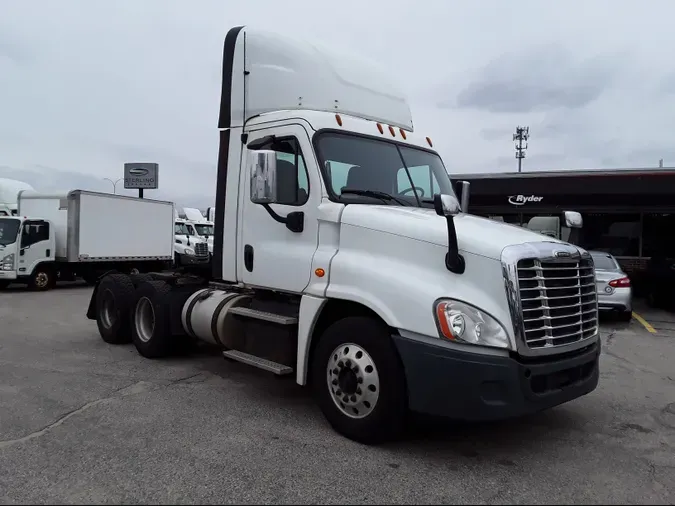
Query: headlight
[(8, 262), (458, 321), (189, 251)]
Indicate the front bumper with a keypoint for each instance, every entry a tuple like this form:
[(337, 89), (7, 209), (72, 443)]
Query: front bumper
[(7, 275), (194, 260), (467, 386)]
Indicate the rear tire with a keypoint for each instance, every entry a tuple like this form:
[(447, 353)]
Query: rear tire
[(366, 399), (113, 300), (150, 320)]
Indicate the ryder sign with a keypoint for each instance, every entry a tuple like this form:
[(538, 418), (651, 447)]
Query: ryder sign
[(521, 200)]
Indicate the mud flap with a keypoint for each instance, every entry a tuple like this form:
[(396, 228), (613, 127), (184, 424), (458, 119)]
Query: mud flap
[(91, 310)]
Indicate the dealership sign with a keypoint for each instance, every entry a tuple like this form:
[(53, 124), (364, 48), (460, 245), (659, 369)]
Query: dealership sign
[(141, 176), (521, 200)]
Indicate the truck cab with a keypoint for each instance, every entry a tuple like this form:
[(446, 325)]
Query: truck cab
[(26, 244), (189, 248), (343, 258)]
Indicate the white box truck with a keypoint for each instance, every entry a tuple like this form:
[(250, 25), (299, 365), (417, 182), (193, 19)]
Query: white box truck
[(342, 258), (83, 234)]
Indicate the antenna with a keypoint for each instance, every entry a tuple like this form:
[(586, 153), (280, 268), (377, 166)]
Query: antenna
[(522, 135)]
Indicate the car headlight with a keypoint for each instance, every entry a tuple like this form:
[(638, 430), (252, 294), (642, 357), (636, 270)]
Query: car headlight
[(461, 322), (189, 251)]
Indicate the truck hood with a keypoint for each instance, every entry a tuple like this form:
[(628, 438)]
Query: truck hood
[(480, 236)]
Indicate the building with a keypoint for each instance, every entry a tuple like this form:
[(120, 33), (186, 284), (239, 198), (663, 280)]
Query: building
[(629, 212)]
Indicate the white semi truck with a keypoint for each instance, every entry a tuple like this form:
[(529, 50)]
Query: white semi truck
[(190, 249), (9, 194), (83, 234), (342, 258)]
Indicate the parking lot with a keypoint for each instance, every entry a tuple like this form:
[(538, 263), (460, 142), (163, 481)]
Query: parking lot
[(82, 421)]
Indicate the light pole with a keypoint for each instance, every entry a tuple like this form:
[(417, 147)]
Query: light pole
[(522, 134), (114, 183)]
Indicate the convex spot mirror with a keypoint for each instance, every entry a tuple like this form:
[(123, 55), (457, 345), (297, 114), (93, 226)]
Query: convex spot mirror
[(262, 165)]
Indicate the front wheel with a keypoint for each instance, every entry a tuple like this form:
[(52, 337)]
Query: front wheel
[(359, 382), (41, 280)]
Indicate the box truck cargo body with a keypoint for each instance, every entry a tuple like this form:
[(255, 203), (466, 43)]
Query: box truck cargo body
[(83, 234)]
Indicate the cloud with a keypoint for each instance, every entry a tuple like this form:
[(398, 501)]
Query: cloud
[(542, 79), (87, 86)]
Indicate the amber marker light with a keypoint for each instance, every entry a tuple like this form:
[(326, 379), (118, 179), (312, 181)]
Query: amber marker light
[(320, 272), (338, 119)]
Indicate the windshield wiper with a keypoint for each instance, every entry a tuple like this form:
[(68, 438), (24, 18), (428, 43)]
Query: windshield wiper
[(375, 194)]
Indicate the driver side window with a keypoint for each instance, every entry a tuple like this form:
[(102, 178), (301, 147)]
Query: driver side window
[(422, 177)]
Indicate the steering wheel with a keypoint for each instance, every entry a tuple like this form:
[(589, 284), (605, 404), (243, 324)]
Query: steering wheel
[(416, 188)]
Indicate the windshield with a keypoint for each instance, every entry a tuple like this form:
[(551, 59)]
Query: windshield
[(9, 229), (604, 262), (358, 168), (181, 229), (204, 229)]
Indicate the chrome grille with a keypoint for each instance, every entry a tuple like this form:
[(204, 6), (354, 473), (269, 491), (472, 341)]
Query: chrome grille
[(558, 301), (201, 249)]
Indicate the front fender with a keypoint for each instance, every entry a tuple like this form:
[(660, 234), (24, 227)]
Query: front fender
[(400, 279)]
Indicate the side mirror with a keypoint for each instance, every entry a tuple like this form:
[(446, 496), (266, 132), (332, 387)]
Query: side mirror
[(573, 219), (446, 205), (263, 170)]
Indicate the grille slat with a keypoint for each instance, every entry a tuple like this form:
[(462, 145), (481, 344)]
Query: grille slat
[(201, 249), (558, 301)]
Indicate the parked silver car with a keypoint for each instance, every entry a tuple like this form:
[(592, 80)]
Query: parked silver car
[(612, 285)]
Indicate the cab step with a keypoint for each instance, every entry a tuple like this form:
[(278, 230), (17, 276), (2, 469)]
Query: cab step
[(263, 315), (260, 363)]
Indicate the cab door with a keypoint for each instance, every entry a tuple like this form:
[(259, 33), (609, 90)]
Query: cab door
[(37, 245), (269, 254)]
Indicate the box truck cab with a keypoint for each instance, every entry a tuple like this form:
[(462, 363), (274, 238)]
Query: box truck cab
[(26, 244), (342, 258)]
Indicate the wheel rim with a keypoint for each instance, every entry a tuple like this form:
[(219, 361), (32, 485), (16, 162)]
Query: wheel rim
[(41, 279), (144, 318), (353, 380), (108, 310), (134, 271)]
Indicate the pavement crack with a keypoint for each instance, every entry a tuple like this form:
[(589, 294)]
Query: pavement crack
[(134, 388)]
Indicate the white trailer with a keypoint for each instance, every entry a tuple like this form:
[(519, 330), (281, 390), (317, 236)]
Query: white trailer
[(83, 234), (342, 258)]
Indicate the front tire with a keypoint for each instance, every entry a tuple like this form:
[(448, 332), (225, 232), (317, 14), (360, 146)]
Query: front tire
[(359, 381), (41, 280)]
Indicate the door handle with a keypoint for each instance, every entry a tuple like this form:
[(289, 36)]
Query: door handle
[(248, 257)]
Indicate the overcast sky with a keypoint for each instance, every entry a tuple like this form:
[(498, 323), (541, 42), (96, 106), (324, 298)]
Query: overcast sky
[(87, 85)]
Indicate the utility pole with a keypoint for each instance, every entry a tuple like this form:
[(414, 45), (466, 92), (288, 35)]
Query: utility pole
[(522, 135), (114, 183)]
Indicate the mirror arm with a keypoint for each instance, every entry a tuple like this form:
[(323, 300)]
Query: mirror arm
[(295, 221), (454, 262)]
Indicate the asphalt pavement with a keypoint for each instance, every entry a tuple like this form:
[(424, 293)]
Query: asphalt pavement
[(85, 422)]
